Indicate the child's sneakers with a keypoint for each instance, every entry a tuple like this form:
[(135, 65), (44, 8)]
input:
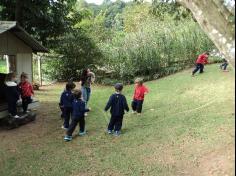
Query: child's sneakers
[(64, 127), (16, 117), (117, 133), (82, 133), (109, 131), (67, 138)]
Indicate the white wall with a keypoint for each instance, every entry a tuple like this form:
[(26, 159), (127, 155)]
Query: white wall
[(24, 64)]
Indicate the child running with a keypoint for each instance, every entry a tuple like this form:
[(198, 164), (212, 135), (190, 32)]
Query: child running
[(65, 104), (201, 60), (12, 94), (79, 109), (118, 104), (138, 98), (26, 90)]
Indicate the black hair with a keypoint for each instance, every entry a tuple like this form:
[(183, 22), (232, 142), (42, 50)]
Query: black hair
[(10, 76), (70, 86), (118, 86), (77, 94)]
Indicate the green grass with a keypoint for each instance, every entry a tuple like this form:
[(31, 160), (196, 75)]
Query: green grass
[(192, 125), (2, 66)]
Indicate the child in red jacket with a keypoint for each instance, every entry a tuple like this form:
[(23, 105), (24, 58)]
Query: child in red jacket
[(26, 90), (138, 98), (201, 60)]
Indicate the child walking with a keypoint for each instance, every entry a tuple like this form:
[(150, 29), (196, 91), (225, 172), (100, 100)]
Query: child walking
[(79, 109), (117, 104), (26, 90), (65, 104), (138, 98), (12, 94)]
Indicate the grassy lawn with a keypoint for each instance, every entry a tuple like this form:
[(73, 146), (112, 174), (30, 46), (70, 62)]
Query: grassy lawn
[(2, 66), (187, 128)]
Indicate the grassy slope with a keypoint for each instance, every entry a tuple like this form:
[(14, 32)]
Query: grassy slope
[(191, 126)]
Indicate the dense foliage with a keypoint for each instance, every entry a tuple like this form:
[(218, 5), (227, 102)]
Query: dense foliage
[(118, 40)]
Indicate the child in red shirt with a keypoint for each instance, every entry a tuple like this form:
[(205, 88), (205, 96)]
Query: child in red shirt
[(138, 98), (201, 60), (26, 90)]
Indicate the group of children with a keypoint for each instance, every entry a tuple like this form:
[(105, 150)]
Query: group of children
[(14, 92), (74, 107)]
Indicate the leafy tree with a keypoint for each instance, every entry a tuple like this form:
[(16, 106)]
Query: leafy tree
[(45, 19), (75, 51)]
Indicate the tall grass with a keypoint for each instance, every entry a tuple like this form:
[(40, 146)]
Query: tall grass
[(156, 49)]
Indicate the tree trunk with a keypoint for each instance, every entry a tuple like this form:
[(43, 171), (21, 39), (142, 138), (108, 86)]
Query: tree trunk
[(18, 11), (215, 19)]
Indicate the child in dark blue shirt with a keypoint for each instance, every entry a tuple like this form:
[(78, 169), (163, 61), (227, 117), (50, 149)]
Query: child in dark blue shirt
[(66, 104), (117, 104), (12, 94), (79, 109)]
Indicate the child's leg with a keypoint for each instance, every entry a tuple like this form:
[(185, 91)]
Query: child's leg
[(72, 127), (12, 108), (139, 106), (82, 125), (67, 113), (225, 65), (134, 105), (24, 104), (84, 95), (118, 123), (196, 69), (201, 68), (111, 123)]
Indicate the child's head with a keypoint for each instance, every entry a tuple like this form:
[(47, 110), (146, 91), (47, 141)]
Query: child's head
[(70, 86), (207, 53), (77, 94), (118, 87), (23, 77), (85, 72), (10, 77), (138, 81)]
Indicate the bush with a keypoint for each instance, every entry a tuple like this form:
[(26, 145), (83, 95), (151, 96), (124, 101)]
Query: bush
[(159, 48)]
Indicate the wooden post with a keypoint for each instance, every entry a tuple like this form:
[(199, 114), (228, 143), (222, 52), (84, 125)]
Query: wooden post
[(39, 71), (7, 62)]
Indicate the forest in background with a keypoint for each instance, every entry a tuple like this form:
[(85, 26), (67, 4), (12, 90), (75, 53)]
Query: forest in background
[(117, 40)]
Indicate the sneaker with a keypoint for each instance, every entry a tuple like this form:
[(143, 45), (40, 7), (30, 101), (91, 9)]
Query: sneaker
[(64, 127), (67, 138), (16, 117), (109, 131), (134, 112), (82, 133), (139, 114), (86, 114), (116, 133)]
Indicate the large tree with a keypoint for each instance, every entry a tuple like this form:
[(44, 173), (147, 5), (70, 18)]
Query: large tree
[(45, 19), (216, 18)]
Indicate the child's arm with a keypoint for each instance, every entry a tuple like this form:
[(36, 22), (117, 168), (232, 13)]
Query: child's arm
[(61, 101), (109, 103), (146, 90), (83, 108)]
